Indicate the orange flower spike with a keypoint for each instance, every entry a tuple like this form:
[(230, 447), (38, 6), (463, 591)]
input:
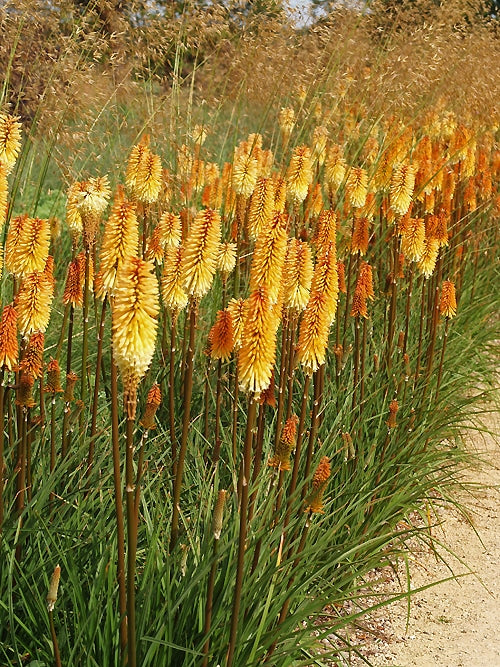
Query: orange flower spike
[(448, 300), (319, 484), (281, 456), (9, 347), (360, 236), (32, 362), (73, 291), (221, 336), (24, 393), (53, 385), (341, 274), (326, 230), (268, 396), (393, 409), (153, 402), (71, 380)]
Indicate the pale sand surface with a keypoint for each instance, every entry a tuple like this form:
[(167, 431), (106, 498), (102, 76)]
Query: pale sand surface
[(455, 623)]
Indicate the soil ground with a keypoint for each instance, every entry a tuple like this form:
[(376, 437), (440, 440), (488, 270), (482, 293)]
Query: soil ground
[(455, 623)]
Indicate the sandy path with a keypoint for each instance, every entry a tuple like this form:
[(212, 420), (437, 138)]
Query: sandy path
[(456, 623)]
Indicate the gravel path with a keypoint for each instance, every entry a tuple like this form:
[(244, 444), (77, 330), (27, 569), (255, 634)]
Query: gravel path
[(455, 623)]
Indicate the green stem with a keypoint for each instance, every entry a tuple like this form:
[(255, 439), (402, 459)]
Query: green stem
[(188, 392), (245, 476), (95, 402)]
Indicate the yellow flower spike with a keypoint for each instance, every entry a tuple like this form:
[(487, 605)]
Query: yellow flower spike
[(136, 158), (258, 348), (269, 257), (286, 121), (33, 303), (9, 347), (298, 273), (134, 320), (120, 240), (4, 194), (413, 239), (448, 300), (170, 227), (261, 207), (326, 229), (335, 167), (148, 180), (173, 293), (236, 308), (357, 187), (402, 186), (10, 140), (427, 262), (32, 248), (244, 173), (226, 258), (199, 260), (299, 175)]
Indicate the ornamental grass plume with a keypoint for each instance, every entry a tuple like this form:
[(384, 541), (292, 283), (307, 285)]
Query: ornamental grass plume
[(9, 347), (285, 445), (448, 299), (299, 175), (10, 140), (413, 239), (199, 260), (261, 206), (153, 402), (401, 190), (258, 345), (357, 187), (33, 303), (269, 257), (286, 120), (120, 241), (134, 323), (220, 336), (173, 293), (298, 273), (32, 361), (319, 483), (32, 248)]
